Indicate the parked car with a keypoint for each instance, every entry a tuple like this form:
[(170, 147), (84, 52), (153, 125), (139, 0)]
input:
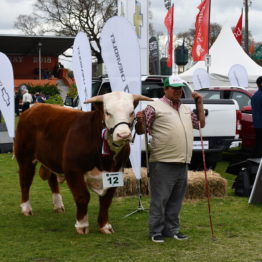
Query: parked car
[(243, 98), (217, 136), (73, 102)]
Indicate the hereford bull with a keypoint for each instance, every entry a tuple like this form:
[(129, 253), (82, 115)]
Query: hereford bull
[(68, 144)]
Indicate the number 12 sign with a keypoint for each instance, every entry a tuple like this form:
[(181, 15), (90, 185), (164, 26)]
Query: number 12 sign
[(112, 179)]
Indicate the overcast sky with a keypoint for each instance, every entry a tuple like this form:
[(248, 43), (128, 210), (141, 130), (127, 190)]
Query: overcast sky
[(222, 11)]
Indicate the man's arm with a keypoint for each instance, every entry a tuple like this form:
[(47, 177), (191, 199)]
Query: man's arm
[(145, 119)]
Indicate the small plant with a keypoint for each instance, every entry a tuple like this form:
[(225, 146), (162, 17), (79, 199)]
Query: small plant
[(48, 90), (55, 99), (72, 91)]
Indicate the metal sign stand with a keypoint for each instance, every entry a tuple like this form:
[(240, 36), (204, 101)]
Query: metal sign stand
[(140, 207)]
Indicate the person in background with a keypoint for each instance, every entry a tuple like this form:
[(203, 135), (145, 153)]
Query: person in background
[(171, 125), (256, 103), (39, 98), (27, 100), (17, 102)]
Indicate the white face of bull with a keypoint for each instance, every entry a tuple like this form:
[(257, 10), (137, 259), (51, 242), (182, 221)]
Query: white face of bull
[(119, 108), (119, 112)]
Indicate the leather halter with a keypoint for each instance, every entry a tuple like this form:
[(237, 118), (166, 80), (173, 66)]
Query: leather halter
[(111, 130)]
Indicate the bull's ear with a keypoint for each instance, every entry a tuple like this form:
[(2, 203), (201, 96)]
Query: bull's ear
[(142, 98), (94, 99)]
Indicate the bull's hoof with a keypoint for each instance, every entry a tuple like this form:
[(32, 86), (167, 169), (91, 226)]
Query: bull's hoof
[(59, 210), (27, 213), (82, 230), (107, 229), (26, 208)]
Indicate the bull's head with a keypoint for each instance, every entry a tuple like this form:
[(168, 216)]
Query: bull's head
[(119, 113)]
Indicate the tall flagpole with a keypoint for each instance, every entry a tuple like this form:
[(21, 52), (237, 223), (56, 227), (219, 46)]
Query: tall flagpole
[(208, 56), (173, 44)]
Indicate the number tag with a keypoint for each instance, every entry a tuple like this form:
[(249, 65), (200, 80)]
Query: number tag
[(112, 179)]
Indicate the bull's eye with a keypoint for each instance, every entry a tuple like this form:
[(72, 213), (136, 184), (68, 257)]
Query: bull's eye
[(107, 113)]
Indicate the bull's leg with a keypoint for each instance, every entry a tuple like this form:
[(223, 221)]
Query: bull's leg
[(26, 174), (105, 202), (81, 196), (57, 198), (45, 174)]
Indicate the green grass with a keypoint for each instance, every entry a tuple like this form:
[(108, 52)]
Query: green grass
[(50, 237)]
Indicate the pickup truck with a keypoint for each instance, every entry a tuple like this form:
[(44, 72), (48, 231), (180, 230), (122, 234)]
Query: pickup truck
[(222, 121), (243, 98)]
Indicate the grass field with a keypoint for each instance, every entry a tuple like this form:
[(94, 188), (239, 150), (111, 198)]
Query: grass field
[(50, 237)]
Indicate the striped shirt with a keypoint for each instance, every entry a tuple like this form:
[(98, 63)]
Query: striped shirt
[(151, 114)]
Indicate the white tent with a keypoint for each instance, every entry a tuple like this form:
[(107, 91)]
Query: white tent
[(225, 52)]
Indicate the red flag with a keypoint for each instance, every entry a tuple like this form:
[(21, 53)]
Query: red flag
[(238, 30), (169, 22), (200, 46)]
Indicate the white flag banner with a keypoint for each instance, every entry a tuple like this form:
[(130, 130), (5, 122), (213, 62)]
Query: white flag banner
[(135, 155), (136, 12), (82, 68), (7, 106), (121, 55), (238, 75), (201, 79)]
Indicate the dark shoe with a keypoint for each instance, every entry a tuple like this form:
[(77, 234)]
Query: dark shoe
[(180, 236), (158, 239)]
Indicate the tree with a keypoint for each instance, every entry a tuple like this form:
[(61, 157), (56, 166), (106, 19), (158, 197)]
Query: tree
[(189, 35), (68, 17)]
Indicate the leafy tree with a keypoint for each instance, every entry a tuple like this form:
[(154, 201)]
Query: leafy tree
[(68, 17), (189, 35)]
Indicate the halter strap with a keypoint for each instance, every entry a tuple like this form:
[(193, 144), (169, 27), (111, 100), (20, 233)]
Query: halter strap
[(111, 130)]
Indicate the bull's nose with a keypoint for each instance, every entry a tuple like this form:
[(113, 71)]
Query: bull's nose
[(124, 135)]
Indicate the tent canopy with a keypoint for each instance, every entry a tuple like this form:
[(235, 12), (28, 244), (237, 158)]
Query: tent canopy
[(225, 52), (29, 45)]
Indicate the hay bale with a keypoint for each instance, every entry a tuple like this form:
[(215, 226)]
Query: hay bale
[(130, 183), (195, 189)]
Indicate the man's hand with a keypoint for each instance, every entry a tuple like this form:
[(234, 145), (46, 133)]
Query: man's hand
[(200, 108), (196, 96), (140, 126), (140, 116)]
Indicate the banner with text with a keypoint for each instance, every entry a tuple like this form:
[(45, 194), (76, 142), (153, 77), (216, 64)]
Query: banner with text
[(7, 106), (238, 29), (82, 68), (200, 46), (121, 55), (136, 12), (169, 23)]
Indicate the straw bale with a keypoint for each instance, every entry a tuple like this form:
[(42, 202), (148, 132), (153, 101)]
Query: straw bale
[(130, 183), (196, 188)]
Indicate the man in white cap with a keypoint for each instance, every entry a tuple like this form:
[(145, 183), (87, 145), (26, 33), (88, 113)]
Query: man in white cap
[(171, 125)]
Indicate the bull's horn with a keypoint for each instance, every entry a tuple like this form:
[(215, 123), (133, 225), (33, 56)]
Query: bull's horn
[(142, 98), (94, 99)]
